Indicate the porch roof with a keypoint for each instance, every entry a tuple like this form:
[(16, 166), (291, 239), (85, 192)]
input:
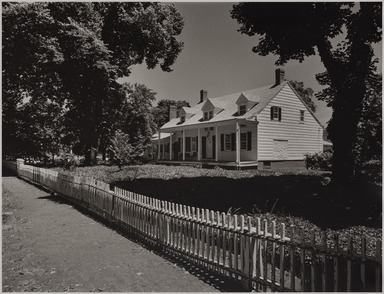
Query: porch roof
[(262, 96)]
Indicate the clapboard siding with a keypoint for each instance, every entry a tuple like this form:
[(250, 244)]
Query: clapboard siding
[(245, 155), (302, 137)]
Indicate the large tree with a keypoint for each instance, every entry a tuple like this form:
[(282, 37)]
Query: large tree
[(78, 50), (297, 30), (137, 119)]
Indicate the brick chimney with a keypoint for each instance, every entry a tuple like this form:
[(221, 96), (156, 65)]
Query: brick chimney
[(280, 76), (172, 112), (203, 95)]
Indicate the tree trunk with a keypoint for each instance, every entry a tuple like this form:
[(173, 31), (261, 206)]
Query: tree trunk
[(347, 109)]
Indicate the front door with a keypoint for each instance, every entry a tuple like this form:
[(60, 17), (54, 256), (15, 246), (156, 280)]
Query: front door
[(204, 147), (213, 146)]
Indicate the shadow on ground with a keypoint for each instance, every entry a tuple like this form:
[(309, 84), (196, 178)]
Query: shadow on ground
[(221, 283), (303, 196), (6, 172)]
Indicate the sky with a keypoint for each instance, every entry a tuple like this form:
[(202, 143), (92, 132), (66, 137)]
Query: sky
[(217, 58)]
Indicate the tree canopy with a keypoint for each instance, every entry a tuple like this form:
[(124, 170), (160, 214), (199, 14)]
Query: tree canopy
[(293, 31), (73, 53), (305, 93)]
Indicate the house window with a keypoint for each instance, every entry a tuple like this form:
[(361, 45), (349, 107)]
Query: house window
[(208, 115), (182, 119), (193, 144), (227, 142), (243, 141), (242, 109), (301, 115), (276, 113)]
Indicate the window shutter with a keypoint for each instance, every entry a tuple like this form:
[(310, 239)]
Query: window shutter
[(233, 143), (279, 113), (179, 147), (272, 113), (197, 143), (249, 140), (188, 144), (222, 142)]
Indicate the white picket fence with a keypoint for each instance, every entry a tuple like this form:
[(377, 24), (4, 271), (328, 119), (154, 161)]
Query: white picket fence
[(261, 255)]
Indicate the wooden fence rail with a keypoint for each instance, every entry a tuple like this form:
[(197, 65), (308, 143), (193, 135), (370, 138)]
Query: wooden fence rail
[(262, 255)]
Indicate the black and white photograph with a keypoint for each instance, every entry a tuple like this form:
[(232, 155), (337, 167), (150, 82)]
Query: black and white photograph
[(191, 146)]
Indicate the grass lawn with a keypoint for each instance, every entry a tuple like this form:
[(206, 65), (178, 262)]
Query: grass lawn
[(298, 193)]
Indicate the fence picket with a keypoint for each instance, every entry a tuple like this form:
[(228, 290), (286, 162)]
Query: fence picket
[(265, 256), (230, 244), (378, 271), (324, 261), (313, 261), (222, 242), (282, 257), (362, 265), (336, 264), (302, 260), (225, 236), (273, 257), (235, 247)]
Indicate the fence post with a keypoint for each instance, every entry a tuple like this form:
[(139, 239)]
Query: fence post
[(324, 261), (19, 163), (362, 265), (336, 264), (313, 261), (282, 257)]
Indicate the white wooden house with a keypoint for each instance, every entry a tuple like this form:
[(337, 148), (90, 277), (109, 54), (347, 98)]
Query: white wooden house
[(266, 127)]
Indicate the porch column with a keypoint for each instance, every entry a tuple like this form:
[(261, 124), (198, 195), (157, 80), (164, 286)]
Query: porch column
[(183, 144), (237, 143), (216, 143), (198, 145), (158, 146), (170, 146)]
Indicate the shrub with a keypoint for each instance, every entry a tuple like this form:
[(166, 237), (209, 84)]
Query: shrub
[(372, 170), (319, 160), (123, 152)]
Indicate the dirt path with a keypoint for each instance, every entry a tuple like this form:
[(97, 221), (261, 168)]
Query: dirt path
[(50, 246)]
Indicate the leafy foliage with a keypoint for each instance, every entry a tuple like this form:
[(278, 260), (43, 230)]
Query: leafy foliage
[(319, 160), (73, 53), (161, 111), (311, 26), (123, 152), (137, 119), (305, 93)]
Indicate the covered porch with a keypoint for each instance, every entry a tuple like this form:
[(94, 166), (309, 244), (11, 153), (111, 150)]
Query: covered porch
[(231, 143)]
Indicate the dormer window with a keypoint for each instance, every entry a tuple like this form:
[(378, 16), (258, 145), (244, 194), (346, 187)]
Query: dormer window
[(242, 109), (208, 115)]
